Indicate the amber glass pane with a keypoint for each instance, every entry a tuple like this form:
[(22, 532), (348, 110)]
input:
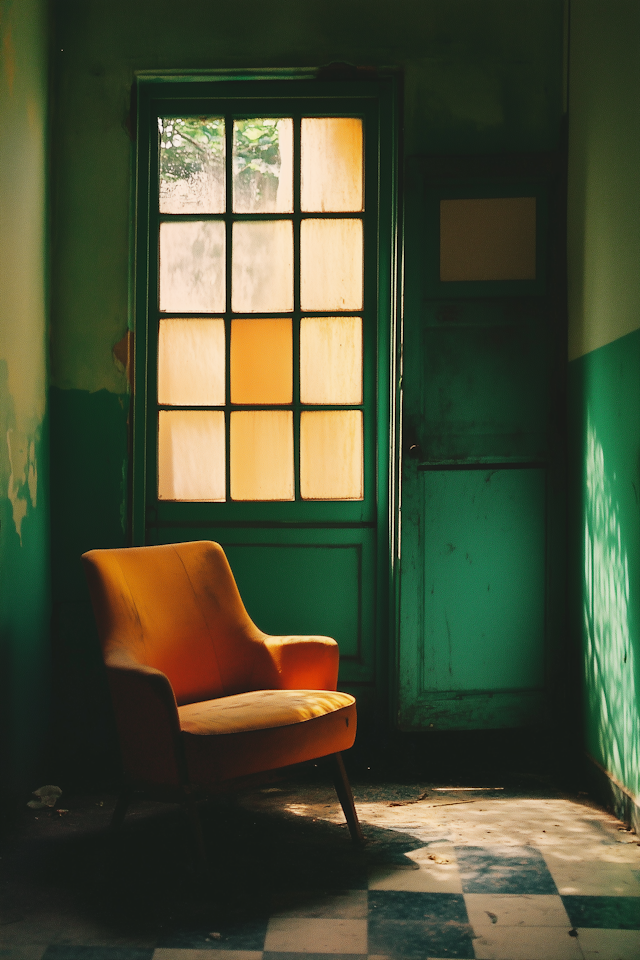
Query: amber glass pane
[(263, 166), (191, 164), (331, 360), (331, 168), (192, 267), (261, 361), (331, 271), (262, 280), (191, 455), (191, 362), (331, 455), (488, 239), (262, 455)]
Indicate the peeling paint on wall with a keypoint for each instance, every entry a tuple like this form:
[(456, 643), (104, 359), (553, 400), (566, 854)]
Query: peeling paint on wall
[(22, 486)]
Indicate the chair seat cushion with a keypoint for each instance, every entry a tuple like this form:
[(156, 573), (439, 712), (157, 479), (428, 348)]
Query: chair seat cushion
[(262, 730)]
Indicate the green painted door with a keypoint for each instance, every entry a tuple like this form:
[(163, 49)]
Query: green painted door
[(264, 310), (480, 342)]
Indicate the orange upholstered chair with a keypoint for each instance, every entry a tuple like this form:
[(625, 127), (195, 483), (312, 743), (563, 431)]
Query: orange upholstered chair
[(202, 697)]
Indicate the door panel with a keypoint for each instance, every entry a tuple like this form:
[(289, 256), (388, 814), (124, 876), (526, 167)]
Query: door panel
[(478, 586)]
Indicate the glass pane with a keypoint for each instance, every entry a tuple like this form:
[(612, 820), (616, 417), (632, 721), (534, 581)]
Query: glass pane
[(262, 455), (331, 360), (263, 166), (191, 455), (331, 174), (192, 267), (261, 361), (191, 362), (331, 455), (262, 265), (331, 264), (488, 239), (191, 164)]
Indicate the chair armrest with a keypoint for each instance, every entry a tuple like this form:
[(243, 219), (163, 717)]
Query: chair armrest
[(146, 715), (304, 663)]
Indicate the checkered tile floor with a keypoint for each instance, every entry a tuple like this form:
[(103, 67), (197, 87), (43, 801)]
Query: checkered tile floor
[(500, 878)]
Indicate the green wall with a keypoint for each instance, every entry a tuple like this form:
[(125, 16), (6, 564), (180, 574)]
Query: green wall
[(604, 377), (478, 78), (24, 508)]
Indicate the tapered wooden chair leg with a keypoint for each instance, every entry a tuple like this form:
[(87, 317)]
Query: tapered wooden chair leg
[(345, 796), (122, 803)]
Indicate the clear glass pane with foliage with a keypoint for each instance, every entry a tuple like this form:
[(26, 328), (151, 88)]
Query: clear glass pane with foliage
[(263, 166), (192, 152)]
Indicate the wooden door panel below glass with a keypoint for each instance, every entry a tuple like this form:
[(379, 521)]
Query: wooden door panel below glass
[(303, 582)]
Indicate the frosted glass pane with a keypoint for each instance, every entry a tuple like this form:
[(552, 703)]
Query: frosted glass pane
[(331, 455), (262, 265), (331, 271), (192, 267), (488, 239), (331, 174), (191, 362), (191, 455), (191, 164), (262, 455), (263, 166), (261, 361), (331, 360)]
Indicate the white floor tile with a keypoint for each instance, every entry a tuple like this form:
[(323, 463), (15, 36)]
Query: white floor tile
[(436, 878), (489, 910), (297, 935), (527, 943), (592, 877), (344, 905)]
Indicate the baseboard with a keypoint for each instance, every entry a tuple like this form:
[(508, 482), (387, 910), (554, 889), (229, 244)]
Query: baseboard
[(613, 795)]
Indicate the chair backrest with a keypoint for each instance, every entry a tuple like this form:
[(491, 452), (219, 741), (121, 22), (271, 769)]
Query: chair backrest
[(177, 608)]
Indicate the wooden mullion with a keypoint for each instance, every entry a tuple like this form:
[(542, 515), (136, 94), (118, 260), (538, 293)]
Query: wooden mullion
[(228, 163)]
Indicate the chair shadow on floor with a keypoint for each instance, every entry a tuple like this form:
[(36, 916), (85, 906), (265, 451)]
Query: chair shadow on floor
[(142, 883)]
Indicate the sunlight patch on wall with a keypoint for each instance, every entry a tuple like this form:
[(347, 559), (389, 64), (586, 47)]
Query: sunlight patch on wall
[(609, 664)]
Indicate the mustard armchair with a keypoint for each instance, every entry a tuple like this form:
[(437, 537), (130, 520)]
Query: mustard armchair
[(203, 699)]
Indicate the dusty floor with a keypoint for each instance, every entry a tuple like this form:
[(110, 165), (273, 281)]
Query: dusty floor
[(448, 871)]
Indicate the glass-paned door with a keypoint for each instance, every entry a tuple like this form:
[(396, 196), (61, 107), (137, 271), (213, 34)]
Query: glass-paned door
[(260, 426), (260, 378)]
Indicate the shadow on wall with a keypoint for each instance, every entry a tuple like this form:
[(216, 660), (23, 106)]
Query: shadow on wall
[(611, 690)]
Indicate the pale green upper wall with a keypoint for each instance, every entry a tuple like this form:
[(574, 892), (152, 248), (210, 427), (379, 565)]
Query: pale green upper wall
[(479, 77), (604, 173), (23, 165)]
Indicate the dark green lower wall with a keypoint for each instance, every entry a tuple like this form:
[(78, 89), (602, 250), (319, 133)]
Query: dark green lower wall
[(25, 661), (89, 486), (604, 563)]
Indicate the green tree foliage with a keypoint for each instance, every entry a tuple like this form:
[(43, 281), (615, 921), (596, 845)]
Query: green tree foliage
[(188, 145)]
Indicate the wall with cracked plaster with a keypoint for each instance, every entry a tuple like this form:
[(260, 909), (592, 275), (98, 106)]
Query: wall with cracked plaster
[(24, 517)]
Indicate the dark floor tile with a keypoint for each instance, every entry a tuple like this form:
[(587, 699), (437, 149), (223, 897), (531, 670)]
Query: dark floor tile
[(62, 952), (413, 926), (243, 935), (608, 913), (503, 869)]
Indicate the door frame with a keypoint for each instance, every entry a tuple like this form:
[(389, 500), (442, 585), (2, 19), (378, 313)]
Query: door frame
[(384, 87)]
